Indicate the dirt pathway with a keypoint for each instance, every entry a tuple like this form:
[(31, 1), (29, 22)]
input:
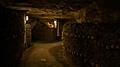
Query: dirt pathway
[(39, 56)]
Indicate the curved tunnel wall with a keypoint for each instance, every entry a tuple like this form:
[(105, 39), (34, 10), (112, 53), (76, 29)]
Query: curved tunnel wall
[(42, 32), (93, 45)]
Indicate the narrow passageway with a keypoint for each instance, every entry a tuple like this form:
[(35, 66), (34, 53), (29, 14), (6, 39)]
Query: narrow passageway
[(45, 55)]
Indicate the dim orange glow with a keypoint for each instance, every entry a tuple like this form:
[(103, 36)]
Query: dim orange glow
[(50, 25)]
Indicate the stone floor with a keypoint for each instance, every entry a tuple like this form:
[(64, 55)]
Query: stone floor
[(46, 55)]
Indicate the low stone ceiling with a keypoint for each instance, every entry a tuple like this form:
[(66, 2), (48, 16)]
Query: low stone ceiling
[(53, 8), (47, 12), (64, 3), (61, 4), (58, 8)]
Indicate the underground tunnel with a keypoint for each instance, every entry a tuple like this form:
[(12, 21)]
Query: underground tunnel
[(60, 33)]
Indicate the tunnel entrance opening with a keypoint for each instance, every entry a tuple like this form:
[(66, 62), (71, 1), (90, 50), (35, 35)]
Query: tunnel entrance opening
[(41, 32), (46, 30)]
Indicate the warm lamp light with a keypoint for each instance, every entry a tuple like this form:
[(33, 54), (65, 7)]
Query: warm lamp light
[(55, 23), (27, 18)]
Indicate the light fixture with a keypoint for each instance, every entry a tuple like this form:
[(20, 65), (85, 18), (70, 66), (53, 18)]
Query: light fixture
[(26, 18), (55, 23)]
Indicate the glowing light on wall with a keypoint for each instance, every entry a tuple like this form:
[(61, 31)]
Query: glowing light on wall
[(50, 25), (26, 18), (55, 23)]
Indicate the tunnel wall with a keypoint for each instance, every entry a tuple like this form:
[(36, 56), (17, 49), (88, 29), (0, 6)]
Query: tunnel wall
[(93, 45), (42, 32), (11, 36)]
